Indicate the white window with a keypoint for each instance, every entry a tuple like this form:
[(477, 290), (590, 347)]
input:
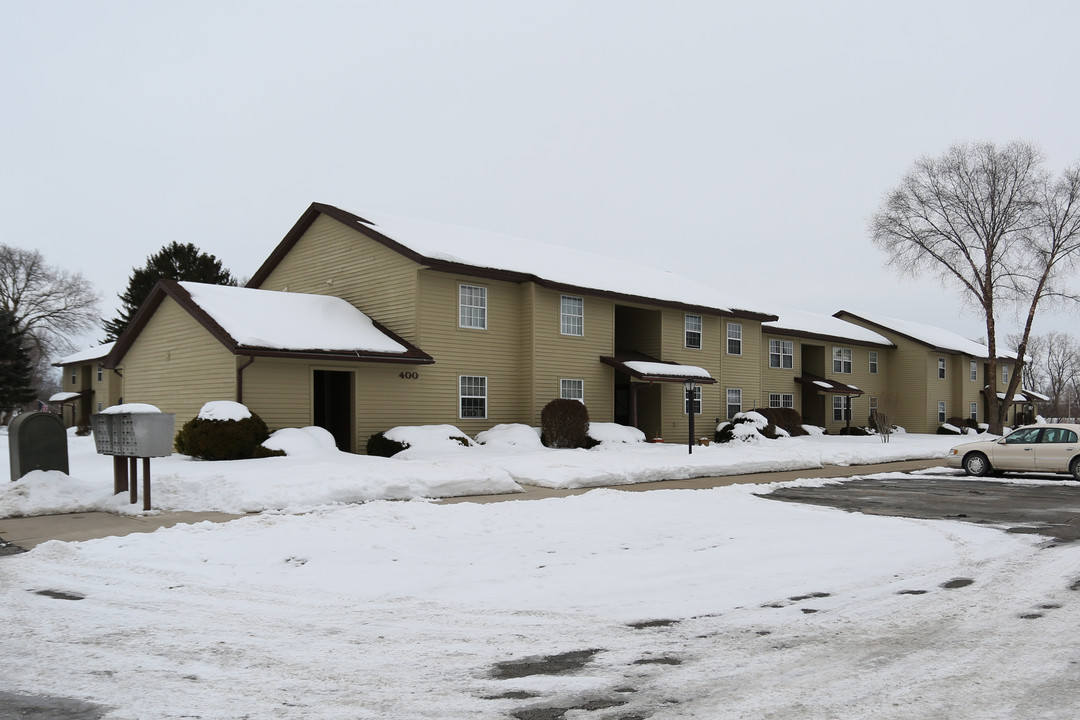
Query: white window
[(473, 307), (873, 362), (1005, 374), (873, 406), (697, 401), (840, 405), (974, 371), (781, 354), (99, 407), (973, 413), (941, 368), (74, 377), (473, 394), (841, 360), (572, 390), (100, 369), (734, 338), (573, 315), (734, 402), (692, 324), (781, 400), (941, 414)]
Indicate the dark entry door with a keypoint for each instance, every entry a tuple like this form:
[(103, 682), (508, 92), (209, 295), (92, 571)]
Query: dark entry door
[(333, 395)]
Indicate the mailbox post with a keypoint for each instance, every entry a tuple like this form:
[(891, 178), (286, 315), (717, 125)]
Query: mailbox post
[(128, 435)]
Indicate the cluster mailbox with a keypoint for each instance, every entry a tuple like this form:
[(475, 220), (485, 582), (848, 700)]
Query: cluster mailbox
[(131, 435)]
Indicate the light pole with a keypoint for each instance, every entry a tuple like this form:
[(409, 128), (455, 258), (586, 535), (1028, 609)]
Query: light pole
[(688, 385)]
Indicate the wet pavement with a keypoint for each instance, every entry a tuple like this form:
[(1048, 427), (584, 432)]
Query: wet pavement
[(1051, 510)]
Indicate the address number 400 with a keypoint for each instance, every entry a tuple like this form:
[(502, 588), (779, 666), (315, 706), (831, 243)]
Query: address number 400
[(409, 375)]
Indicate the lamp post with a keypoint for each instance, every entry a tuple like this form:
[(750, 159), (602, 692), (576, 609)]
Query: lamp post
[(688, 385)]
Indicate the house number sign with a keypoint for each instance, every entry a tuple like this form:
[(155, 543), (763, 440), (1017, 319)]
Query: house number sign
[(409, 375)]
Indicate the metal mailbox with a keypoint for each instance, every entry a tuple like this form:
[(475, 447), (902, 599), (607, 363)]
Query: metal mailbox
[(137, 435)]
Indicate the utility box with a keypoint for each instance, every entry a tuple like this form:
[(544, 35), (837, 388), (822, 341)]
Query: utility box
[(137, 435), (37, 441)]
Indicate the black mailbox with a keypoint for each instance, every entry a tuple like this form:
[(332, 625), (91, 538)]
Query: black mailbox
[(37, 441)]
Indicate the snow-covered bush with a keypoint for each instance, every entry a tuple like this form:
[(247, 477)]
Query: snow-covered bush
[(749, 427), (301, 441), (510, 435), (425, 437), (787, 419), (224, 431), (614, 433)]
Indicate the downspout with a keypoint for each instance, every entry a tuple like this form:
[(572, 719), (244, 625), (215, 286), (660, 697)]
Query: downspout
[(240, 379)]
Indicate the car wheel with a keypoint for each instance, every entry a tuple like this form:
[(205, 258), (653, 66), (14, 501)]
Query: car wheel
[(976, 464), (1074, 468)]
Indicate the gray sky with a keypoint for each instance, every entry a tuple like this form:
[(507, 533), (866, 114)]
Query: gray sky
[(739, 144)]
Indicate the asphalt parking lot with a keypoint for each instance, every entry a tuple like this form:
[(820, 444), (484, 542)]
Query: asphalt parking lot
[(1049, 509)]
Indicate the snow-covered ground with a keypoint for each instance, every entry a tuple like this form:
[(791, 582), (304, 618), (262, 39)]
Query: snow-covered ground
[(315, 474), (677, 604)]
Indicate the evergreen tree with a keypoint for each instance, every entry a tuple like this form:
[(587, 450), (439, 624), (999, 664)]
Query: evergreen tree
[(16, 368), (174, 261)]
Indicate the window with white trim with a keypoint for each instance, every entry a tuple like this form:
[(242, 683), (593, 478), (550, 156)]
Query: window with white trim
[(781, 354), (840, 406), (973, 411), (974, 371), (941, 414), (941, 368), (571, 389), (873, 362), (734, 402), (100, 370), (781, 400), (99, 407), (572, 315), (734, 338), (692, 325), (697, 401), (1005, 374), (473, 397), (872, 406), (841, 360), (472, 304)]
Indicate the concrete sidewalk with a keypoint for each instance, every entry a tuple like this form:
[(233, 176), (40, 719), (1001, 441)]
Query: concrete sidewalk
[(29, 532)]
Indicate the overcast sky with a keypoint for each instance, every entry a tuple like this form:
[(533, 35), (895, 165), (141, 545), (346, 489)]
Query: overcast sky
[(740, 144)]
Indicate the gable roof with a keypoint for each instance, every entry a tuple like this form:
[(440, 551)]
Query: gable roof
[(934, 337), (275, 324), (485, 254), (802, 324), (85, 356)]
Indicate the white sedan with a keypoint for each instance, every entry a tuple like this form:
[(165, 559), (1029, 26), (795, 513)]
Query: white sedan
[(1035, 448)]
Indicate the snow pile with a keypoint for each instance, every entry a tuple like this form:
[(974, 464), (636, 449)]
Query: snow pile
[(428, 438), (224, 410), (511, 435), (130, 408), (302, 442), (615, 433)]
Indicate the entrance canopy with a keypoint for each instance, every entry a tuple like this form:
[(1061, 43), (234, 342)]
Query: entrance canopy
[(646, 369), (813, 382)]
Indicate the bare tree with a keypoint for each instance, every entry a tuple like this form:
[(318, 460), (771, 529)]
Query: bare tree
[(1053, 366), (49, 304), (888, 407), (992, 222)]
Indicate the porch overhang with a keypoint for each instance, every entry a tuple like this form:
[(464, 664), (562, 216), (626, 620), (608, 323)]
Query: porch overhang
[(831, 387), (645, 369)]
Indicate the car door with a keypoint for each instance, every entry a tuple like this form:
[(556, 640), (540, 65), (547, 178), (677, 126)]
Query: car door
[(1017, 451), (1056, 447)]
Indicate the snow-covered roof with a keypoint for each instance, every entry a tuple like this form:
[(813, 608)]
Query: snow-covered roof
[(62, 397), (668, 370), (290, 321), (801, 322), (554, 264), (935, 337), (85, 356)]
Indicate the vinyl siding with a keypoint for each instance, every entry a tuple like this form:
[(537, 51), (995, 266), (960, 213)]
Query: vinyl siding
[(871, 384), (781, 380), (332, 259), (176, 365), (740, 371), (553, 356)]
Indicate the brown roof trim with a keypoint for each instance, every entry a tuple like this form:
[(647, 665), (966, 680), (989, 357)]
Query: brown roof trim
[(950, 351), (360, 225), (170, 288), (787, 332)]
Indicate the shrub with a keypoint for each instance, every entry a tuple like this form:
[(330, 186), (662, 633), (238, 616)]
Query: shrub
[(381, 446), (948, 429), (565, 424), (222, 439), (787, 419), (265, 452), (724, 433), (854, 431)]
